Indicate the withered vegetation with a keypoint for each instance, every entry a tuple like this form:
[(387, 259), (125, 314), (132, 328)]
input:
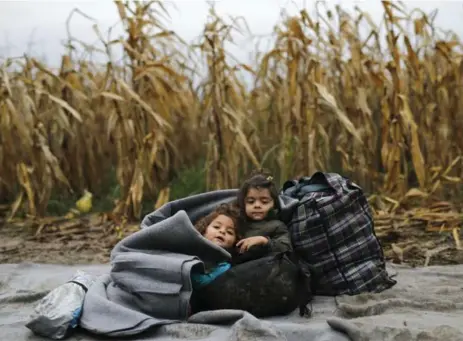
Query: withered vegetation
[(384, 108)]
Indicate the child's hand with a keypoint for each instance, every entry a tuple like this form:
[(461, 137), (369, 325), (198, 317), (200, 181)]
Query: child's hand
[(245, 244)]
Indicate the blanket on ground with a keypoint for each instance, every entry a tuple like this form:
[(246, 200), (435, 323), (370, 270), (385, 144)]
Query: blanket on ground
[(426, 304), (149, 283)]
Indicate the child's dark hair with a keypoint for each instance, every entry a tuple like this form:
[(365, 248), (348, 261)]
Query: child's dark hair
[(228, 210), (258, 179)]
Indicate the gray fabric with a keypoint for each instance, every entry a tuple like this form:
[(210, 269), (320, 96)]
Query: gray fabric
[(426, 304), (150, 276), (195, 206), (22, 284), (149, 282)]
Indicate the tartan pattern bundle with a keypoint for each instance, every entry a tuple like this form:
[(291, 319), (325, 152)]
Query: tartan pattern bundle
[(332, 231)]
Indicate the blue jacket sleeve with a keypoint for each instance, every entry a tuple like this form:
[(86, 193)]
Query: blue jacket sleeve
[(200, 280)]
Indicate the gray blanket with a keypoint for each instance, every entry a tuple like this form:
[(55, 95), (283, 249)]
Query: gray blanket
[(143, 294), (149, 282), (425, 305)]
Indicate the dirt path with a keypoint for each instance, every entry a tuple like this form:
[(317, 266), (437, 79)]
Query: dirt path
[(19, 245), (87, 241), (81, 241)]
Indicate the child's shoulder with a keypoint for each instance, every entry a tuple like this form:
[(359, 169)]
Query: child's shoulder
[(266, 224)]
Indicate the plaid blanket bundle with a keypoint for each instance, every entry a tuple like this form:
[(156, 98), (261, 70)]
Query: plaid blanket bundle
[(332, 230)]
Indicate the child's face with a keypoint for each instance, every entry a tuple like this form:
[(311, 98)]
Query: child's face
[(258, 203), (221, 231)]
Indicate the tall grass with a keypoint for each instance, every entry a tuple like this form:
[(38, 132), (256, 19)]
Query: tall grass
[(386, 110)]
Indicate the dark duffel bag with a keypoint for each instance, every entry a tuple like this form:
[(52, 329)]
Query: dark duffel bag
[(267, 286)]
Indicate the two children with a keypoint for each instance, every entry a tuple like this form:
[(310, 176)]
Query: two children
[(247, 230)]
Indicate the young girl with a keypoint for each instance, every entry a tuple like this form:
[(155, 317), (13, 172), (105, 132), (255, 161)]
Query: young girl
[(259, 226), (219, 227)]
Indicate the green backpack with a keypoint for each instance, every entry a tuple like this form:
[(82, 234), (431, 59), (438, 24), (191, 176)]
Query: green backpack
[(266, 286)]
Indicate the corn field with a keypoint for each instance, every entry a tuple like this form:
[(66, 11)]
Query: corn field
[(385, 110)]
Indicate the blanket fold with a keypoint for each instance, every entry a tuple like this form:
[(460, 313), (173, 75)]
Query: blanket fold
[(195, 206), (149, 283)]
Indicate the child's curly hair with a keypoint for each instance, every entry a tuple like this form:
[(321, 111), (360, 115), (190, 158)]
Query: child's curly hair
[(259, 178), (229, 210)]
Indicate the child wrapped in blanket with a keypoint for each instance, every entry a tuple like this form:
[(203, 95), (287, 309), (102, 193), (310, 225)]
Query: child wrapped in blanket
[(254, 217), (220, 227)]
